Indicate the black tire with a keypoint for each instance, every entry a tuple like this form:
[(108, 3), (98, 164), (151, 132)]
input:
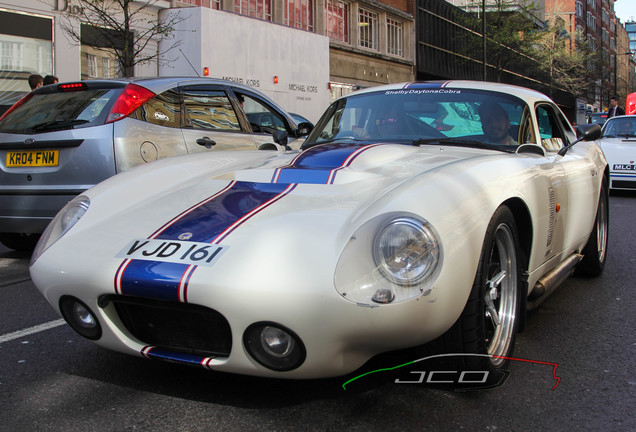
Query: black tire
[(19, 241), (595, 250), (496, 292)]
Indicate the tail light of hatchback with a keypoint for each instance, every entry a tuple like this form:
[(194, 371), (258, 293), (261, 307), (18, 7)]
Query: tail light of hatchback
[(131, 98)]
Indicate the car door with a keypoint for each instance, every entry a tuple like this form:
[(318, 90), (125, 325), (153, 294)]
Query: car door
[(581, 176), (151, 132), (211, 122), (264, 117)]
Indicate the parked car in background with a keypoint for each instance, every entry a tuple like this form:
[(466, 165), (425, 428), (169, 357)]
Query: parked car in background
[(618, 142), (383, 233), (598, 118), (300, 119), (64, 138)]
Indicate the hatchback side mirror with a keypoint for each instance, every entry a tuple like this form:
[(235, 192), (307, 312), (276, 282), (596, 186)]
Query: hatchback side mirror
[(304, 129)]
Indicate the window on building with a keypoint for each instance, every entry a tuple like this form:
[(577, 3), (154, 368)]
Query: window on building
[(300, 14), (604, 16), (580, 33), (212, 4), (394, 37), (579, 9), (10, 56), (591, 20), (337, 17), (92, 65), (44, 58), (254, 8), (613, 43), (368, 29), (106, 72)]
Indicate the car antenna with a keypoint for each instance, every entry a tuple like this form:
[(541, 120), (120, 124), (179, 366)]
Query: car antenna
[(185, 57)]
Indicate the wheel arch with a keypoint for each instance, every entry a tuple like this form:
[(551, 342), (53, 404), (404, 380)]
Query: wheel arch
[(523, 220)]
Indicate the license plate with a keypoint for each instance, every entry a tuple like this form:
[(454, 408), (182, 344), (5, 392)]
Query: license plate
[(33, 158), (625, 167)]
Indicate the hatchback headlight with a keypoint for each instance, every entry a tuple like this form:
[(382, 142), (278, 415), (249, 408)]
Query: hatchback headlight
[(63, 221), (391, 258)]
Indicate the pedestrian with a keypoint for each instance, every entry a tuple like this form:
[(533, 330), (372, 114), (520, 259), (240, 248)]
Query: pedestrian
[(35, 81), (50, 79), (614, 110)]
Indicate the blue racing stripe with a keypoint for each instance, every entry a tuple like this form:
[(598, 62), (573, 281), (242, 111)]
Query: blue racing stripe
[(426, 85), (162, 354), (210, 221), (316, 165), (154, 279)]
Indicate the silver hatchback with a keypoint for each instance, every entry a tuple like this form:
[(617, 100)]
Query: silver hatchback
[(62, 139)]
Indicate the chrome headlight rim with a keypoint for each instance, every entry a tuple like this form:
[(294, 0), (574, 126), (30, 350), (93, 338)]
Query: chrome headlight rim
[(65, 219), (432, 249)]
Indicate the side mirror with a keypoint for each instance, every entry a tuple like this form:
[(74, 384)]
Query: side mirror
[(304, 129), (280, 137), (588, 132)]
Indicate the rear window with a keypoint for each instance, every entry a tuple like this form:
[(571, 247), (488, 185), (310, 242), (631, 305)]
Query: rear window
[(57, 111)]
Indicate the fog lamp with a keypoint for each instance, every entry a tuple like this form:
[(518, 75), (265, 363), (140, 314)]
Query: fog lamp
[(80, 318), (274, 346)]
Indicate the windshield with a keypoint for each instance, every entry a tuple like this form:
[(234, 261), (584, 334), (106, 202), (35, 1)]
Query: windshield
[(419, 116), (620, 127), (53, 111)]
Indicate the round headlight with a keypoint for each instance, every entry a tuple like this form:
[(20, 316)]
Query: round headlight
[(406, 250), (63, 221)]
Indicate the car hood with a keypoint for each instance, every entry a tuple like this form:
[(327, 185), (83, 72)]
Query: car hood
[(261, 211), (340, 179), (619, 150)]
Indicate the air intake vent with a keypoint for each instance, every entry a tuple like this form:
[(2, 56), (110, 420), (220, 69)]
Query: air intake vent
[(173, 326)]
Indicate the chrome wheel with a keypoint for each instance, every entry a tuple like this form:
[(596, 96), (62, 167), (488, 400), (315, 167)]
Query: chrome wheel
[(500, 294)]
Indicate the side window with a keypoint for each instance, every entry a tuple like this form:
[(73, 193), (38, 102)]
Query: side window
[(163, 110), (550, 128), (209, 109), (262, 118), (526, 131)]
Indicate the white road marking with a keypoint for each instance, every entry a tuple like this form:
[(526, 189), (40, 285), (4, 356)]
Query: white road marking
[(31, 330)]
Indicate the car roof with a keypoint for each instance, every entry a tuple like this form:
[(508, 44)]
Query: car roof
[(521, 92), (632, 117), (159, 84)]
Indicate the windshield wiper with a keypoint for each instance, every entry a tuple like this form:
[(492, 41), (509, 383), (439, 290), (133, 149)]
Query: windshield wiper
[(57, 124), (464, 142)]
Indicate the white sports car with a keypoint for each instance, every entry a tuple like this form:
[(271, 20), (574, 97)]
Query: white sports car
[(618, 141), (383, 232)]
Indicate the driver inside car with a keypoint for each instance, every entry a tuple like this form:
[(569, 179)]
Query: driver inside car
[(625, 129), (495, 124)]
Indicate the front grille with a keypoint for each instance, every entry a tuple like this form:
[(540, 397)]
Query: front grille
[(173, 326), (621, 184)]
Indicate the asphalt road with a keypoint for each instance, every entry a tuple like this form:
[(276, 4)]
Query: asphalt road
[(53, 380)]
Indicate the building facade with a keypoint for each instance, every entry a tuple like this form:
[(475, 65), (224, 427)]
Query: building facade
[(596, 21), (367, 43)]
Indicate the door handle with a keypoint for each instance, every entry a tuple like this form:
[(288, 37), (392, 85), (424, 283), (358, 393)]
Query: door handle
[(206, 142)]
